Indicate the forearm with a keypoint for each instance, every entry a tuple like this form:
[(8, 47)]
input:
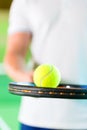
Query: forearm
[(16, 68), (15, 58)]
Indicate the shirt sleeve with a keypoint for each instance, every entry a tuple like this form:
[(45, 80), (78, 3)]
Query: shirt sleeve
[(17, 18)]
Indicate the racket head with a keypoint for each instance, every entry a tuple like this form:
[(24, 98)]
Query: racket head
[(67, 91)]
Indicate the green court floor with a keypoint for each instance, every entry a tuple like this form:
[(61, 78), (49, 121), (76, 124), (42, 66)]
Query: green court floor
[(8, 115), (3, 32), (9, 106)]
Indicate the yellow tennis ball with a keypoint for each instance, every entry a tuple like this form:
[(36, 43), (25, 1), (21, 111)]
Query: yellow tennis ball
[(46, 75)]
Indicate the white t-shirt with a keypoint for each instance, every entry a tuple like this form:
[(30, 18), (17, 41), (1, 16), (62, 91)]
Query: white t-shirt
[(59, 29)]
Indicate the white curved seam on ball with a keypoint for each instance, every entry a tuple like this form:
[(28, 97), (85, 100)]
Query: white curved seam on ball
[(51, 68)]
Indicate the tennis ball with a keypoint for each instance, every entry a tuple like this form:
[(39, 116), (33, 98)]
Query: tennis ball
[(46, 75)]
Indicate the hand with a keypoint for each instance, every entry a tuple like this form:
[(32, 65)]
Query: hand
[(28, 77), (25, 77)]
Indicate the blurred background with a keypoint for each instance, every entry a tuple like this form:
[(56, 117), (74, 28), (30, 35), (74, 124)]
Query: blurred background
[(9, 104)]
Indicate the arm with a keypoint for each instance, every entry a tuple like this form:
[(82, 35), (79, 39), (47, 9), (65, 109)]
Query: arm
[(15, 65)]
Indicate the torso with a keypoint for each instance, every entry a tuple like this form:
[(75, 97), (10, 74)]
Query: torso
[(59, 28)]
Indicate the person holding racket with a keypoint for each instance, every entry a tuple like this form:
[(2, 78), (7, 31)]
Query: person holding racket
[(56, 33)]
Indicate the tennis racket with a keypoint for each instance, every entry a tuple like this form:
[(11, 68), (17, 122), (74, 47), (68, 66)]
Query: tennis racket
[(68, 91)]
